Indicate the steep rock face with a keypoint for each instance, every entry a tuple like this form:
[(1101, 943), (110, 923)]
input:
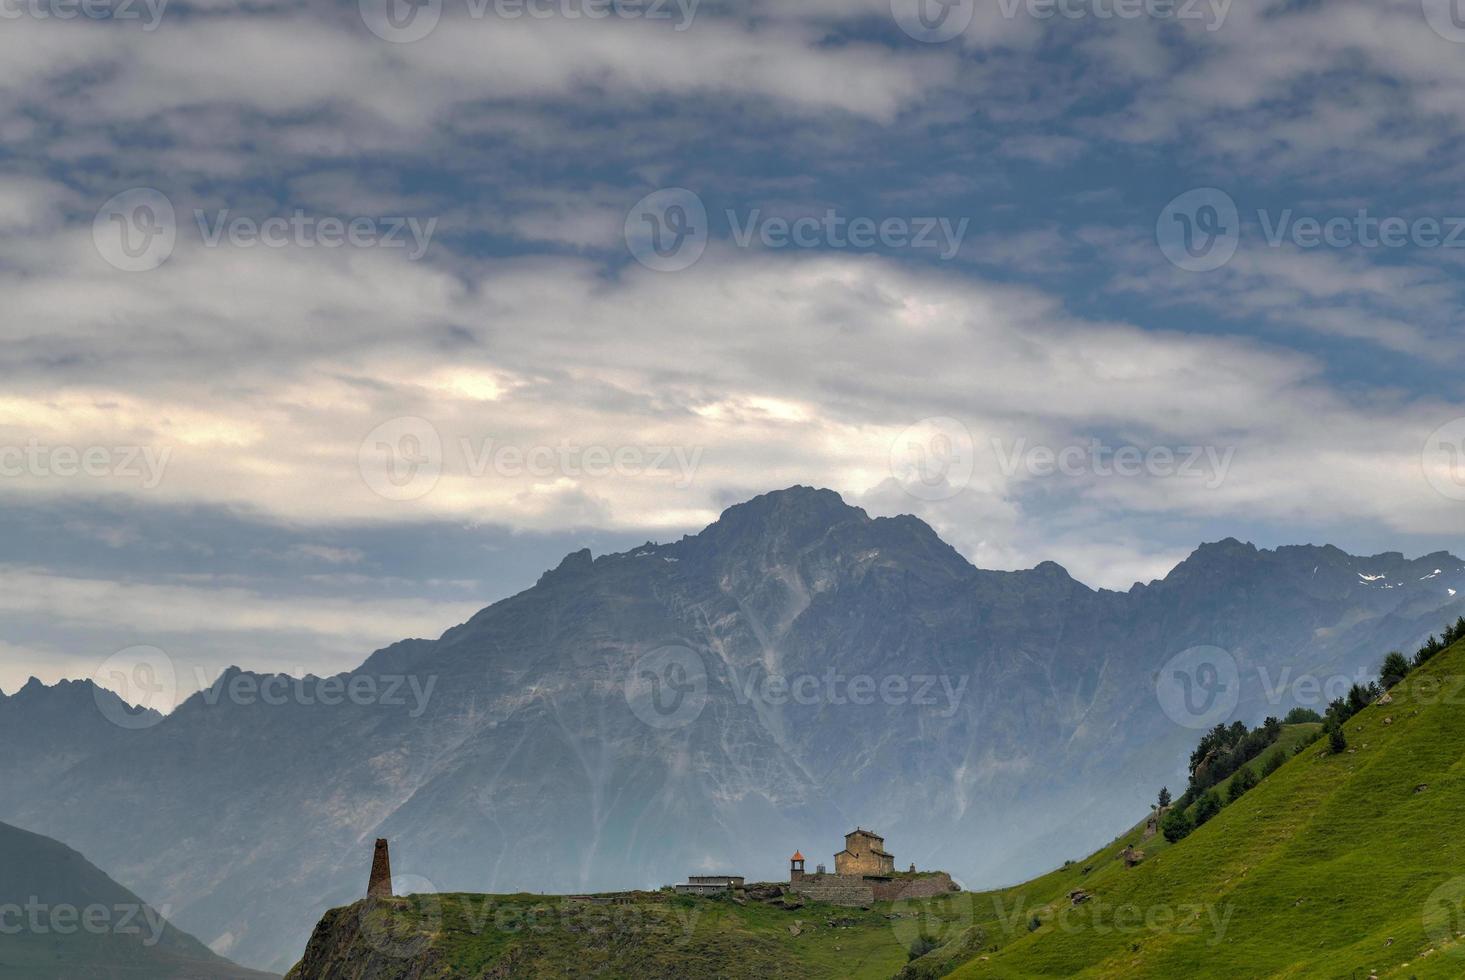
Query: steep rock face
[(1017, 724)]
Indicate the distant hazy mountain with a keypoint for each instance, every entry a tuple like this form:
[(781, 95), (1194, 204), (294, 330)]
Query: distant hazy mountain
[(1034, 735), (63, 919)]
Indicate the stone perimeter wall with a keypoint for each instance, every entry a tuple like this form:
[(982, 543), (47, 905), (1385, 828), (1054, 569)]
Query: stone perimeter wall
[(857, 890)]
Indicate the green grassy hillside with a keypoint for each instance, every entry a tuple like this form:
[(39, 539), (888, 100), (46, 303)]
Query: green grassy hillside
[(651, 936), (1334, 866)]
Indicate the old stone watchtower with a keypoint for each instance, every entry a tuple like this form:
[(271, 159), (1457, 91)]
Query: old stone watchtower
[(380, 885)]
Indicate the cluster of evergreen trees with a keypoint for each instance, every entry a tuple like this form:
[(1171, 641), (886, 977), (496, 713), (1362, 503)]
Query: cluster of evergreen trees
[(1224, 751), (1230, 749)]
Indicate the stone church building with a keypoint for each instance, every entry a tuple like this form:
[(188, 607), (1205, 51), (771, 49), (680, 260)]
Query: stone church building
[(864, 854)]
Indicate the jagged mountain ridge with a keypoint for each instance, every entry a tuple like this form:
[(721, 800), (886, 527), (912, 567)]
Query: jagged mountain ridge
[(530, 770)]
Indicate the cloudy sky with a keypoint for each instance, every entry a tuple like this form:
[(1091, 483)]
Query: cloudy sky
[(328, 324)]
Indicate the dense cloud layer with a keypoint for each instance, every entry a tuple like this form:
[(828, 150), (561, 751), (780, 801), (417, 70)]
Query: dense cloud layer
[(487, 357)]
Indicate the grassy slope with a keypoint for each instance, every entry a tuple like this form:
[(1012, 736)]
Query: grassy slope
[(533, 936), (1326, 868)]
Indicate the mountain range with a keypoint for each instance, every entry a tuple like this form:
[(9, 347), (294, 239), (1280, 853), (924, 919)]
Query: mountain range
[(712, 704)]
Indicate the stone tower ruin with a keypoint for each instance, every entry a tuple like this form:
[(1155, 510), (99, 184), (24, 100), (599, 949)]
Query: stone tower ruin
[(380, 885)]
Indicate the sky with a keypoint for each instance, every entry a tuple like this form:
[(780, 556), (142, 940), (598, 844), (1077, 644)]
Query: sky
[(328, 324)]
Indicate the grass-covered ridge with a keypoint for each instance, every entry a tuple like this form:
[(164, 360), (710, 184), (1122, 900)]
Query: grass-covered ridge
[(648, 936), (1335, 865)]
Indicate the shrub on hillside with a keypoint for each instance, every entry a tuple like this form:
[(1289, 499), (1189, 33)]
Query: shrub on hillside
[(1302, 716), (1273, 763), (1207, 807), (1244, 780), (1337, 741), (1177, 825), (1393, 670)]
